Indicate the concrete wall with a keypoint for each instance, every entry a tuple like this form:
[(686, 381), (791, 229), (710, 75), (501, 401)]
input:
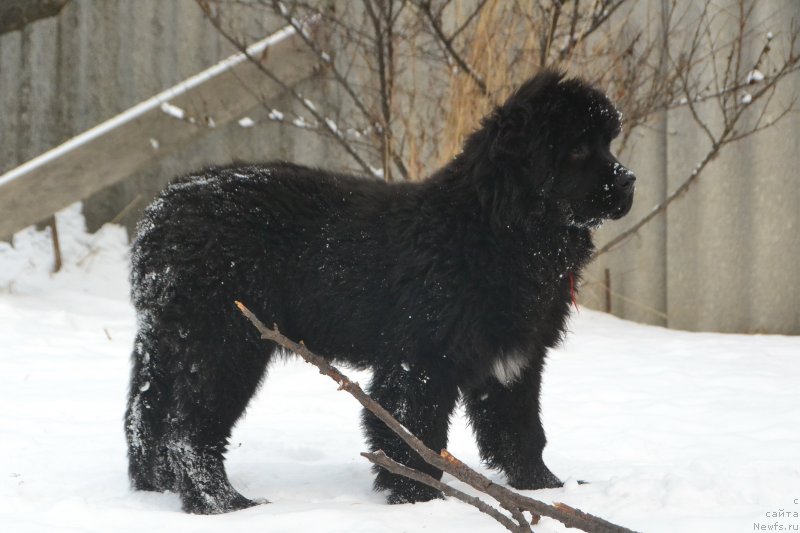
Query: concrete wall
[(724, 257)]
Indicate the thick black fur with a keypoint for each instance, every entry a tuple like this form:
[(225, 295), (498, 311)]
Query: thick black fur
[(451, 288)]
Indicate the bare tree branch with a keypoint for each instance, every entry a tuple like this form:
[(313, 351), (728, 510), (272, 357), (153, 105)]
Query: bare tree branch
[(711, 154), (335, 133), (548, 37), (382, 28), (732, 103), (341, 78)]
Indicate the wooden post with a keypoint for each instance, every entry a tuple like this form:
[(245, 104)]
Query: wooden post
[(607, 290), (56, 244)]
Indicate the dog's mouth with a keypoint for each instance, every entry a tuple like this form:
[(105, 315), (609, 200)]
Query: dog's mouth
[(616, 209), (583, 222), (622, 209)]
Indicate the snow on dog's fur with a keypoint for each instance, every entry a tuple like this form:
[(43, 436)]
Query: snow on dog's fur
[(452, 287)]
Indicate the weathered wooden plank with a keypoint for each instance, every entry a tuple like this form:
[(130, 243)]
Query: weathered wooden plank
[(152, 129)]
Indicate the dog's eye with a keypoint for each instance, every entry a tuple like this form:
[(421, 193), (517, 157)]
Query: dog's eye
[(580, 151)]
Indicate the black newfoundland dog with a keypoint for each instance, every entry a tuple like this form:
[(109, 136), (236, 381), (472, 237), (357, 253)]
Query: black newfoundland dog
[(451, 288)]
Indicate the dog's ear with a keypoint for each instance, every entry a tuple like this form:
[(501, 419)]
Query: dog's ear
[(511, 131), (522, 125), (514, 152), (522, 148)]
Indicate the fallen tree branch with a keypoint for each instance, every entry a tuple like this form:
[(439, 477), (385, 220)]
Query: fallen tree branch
[(513, 501)]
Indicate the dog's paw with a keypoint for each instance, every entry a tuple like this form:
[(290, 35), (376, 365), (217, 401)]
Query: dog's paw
[(539, 478), (204, 503), (415, 494)]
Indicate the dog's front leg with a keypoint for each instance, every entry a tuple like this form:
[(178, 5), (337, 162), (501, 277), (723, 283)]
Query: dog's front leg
[(505, 418), (422, 401)]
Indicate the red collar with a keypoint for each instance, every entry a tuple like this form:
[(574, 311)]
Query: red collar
[(572, 290)]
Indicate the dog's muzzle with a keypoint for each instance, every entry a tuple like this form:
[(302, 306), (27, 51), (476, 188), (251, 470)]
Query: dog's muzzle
[(624, 181)]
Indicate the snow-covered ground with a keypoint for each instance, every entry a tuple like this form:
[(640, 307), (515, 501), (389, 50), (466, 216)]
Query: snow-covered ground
[(675, 431)]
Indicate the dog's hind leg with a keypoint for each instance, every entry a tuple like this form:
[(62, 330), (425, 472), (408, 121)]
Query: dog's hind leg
[(505, 418), (145, 421), (221, 370), (423, 404)]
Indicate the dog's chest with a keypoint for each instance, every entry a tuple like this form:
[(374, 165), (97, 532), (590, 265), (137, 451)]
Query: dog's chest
[(533, 308), (508, 367)]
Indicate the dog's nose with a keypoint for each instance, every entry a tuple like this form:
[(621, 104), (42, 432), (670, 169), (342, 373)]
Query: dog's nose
[(626, 182), (624, 178)]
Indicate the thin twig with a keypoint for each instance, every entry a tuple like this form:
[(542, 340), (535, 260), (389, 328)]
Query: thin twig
[(469, 19), (548, 39), (447, 43), (600, 17), (381, 459)]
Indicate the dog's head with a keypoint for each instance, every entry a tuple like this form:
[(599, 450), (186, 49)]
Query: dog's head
[(551, 141)]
